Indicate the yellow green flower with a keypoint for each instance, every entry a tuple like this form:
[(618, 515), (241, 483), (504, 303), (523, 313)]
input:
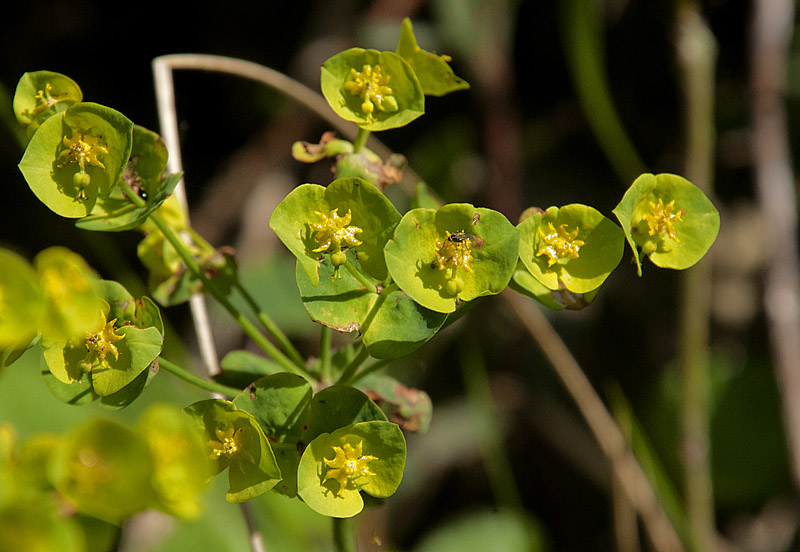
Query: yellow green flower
[(231, 444), (370, 84), (333, 231), (348, 464), (559, 244), (83, 148), (661, 219), (455, 250)]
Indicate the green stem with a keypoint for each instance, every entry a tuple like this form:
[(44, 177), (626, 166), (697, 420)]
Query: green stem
[(325, 353), (490, 441), (349, 371), (208, 285), (197, 381), (361, 140), (374, 367), (360, 277), (271, 327), (343, 537)]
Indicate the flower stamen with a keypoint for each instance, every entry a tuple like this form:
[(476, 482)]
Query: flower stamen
[(661, 219), (334, 231), (348, 464), (454, 250), (370, 85), (559, 244)]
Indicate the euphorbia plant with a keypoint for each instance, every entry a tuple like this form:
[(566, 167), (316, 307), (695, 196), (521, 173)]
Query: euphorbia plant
[(314, 429)]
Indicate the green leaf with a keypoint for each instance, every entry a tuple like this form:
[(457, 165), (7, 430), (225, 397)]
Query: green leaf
[(382, 450), (370, 211), (41, 94), (238, 442), (435, 75), (386, 103), (279, 403), (22, 302), (544, 238), (523, 282), (180, 459), (54, 173), (410, 408), (400, 326), (77, 393), (144, 174), (137, 350), (420, 261), (241, 368), (105, 470), (339, 300), (693, 221)]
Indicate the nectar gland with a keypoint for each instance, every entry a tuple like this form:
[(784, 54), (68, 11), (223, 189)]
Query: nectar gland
[(229, 444), (334, 231), (559, 244), (348, 464)]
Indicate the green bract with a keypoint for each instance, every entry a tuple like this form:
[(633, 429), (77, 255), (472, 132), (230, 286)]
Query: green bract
[(180, 460), (77, 156), (669, 218), (144, 175), (112, 354), (41, 94), (574, 247), (237, 441), (22, 303), (105, 470), (376, 90), (74, 306), (524, 282), (335, 467), (435, 75), (454, 254), (347, 205)]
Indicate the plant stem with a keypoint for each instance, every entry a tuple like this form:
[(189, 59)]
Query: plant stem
[(374, 367), (361, 140), (197, 381), (349, 371), (697, 52), (495, 459), (209, 286), (343, 536), (325, 353), (634, 482), (271, 327), (360, 277)]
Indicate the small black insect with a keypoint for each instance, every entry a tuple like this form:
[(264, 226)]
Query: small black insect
[(460, 237)]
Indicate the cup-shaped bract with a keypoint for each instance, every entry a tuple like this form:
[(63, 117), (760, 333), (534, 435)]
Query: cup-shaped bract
[(237, 442), (125, 342), (314, 221), (335, 467), (144, 175), (670, 219), (433, 71), (41, 94), (74, 305), (77, 156), (181, 466), (22, 302), (574, 247), (454, 254), (376, 90), (105, 470)]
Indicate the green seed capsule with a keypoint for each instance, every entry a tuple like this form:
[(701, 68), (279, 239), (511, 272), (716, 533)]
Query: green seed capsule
[(81, 179), (454, 287), (338, 258)]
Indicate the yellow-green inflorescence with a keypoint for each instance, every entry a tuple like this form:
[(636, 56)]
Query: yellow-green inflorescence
[(100, 344), (662, 218), (229, 444), (83, 149), (348, 464), (454, 251), (334, 234), (559, 243), (44, 100), (371, 86)]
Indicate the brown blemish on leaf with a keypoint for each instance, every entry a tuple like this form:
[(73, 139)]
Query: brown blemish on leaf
[(476, 217)]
